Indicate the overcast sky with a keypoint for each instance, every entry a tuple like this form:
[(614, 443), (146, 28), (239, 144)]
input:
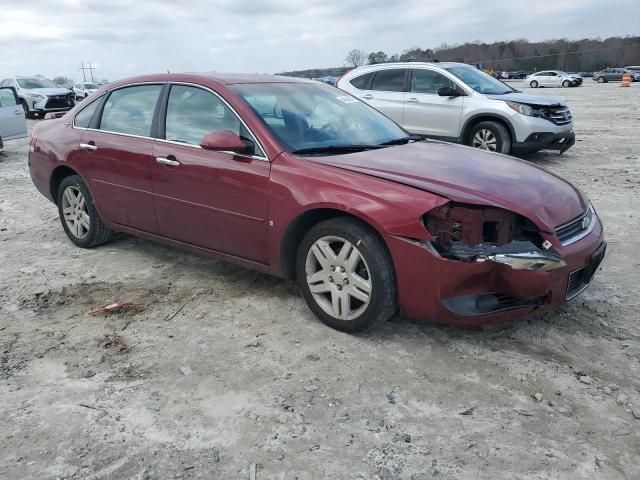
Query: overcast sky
[(128, 37)]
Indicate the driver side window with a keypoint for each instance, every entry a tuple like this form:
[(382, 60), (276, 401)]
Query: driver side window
[(193, 112), (7, 98), (427, 81)]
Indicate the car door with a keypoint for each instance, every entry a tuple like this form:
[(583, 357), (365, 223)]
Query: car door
[(118, 158), (12, 122), (387, 92), (426, 112), (210, 199)]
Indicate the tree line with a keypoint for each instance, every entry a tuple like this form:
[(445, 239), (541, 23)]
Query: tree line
[(585, 55)]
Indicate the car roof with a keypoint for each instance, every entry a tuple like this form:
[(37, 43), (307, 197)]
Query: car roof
[(223, 78), (412, 64)]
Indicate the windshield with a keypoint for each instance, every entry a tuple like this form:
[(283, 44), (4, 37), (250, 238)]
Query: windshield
[(29, 83), (480, 81), (91, 86), (318, 119)]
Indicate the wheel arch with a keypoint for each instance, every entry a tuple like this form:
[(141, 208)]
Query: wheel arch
[(485, 117), (298, 228), (57, 176)]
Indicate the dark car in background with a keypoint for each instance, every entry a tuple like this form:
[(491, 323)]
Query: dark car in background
[(614, 75)]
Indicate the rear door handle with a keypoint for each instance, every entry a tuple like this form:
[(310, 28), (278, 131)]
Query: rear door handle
[(413, 100), (18, 112), (167, 161), (88, 146), (368, 96)]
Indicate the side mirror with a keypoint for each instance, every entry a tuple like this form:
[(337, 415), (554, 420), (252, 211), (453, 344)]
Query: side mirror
[(223, 141), (449, 92)]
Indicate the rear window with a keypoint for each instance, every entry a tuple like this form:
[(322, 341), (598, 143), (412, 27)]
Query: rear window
[(362, 82), (389, 80)]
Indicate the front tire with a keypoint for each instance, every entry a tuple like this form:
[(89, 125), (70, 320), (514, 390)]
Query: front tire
[(601, 80), (566, 84), (346, 275), (78, 214), (534, 84), (490, 136)]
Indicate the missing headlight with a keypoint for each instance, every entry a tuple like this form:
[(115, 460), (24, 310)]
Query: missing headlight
[(473, 225), (476, 234)]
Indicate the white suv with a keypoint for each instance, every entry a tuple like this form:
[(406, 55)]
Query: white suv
[(459, 103)]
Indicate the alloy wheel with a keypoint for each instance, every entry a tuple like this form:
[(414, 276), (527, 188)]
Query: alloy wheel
[(76, 212), (485, 140), (338, 277)]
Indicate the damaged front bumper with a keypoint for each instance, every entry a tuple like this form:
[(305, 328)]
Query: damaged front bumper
[(478, 286), (519, 255)]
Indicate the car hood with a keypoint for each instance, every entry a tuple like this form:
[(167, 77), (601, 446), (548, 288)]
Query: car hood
[(48, 92), (471, 176), (530, 99)]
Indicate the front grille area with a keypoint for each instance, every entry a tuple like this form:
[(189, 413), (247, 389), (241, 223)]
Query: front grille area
[(557, 115), (59, 101), (576, 228)]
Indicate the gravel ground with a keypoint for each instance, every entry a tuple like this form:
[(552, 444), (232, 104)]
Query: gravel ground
[(217, 370)]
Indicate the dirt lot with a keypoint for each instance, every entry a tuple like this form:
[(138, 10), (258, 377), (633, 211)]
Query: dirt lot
[(216, 368)]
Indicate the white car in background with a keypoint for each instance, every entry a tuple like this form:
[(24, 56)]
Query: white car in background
[(551, 78), (456, 102), (83, 90), (12, 121)]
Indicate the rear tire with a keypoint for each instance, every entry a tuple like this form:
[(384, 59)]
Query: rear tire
[(78, 214), (490, 136), (533, 84), (27, 113), (346, 275)]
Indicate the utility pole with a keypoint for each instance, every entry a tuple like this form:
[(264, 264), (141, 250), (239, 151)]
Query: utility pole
[(84, 70)]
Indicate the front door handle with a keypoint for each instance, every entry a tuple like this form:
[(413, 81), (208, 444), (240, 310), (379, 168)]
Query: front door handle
[(167, 161), (413, 100), (88, 146), (18, 112), (368, 96)]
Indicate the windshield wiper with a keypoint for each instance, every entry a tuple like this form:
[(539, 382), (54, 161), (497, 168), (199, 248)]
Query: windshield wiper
[(336, 149), (403, 140)]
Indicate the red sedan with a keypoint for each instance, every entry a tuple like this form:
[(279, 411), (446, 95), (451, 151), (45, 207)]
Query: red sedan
[(303, 181)]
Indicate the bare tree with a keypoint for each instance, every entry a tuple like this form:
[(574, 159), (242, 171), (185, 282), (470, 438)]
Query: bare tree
[(62, 81), (355, 58)]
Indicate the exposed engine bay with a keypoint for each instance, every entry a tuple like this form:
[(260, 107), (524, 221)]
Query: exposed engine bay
[(476, 234)]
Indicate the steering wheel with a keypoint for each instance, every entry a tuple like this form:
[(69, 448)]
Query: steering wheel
[(330, 129)]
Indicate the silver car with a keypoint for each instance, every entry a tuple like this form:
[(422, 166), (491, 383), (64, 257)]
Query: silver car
[(12, 122), (40, 96), (459, 103)]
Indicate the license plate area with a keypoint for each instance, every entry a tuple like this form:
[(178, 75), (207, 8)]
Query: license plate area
[(580, 279)]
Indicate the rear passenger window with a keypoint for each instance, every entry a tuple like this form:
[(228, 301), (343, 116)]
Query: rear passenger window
[(388, 81), (362, 82), (130, 110), (427, 81), (83, 118)]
